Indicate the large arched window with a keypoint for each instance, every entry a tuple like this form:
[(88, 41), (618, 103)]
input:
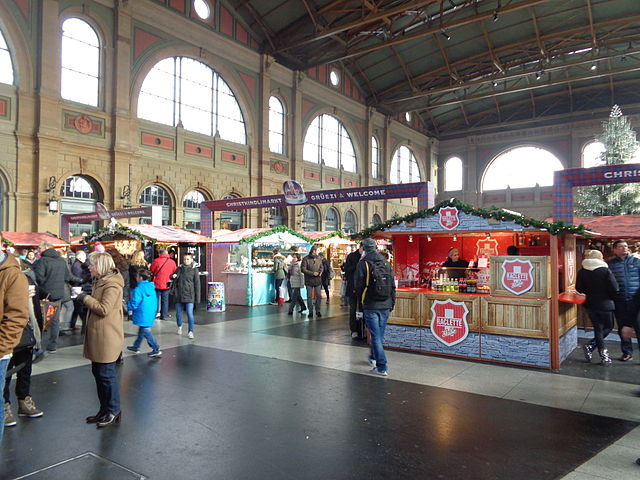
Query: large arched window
[(310, 216), (331, 221), (453, 175), (591, 154), (404, 166), (182, 91), (156, 195), (277, 216), (80, 72), (521, 167), (79, 194), (191, 204), (376, 219), (231, 219), (375, 158), (327, 141), (276, 125), (350, 222), (6, 67)]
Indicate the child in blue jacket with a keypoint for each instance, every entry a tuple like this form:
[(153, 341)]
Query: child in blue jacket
[(144, 304)]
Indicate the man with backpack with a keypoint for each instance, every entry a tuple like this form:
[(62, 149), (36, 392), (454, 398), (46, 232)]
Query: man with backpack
[(375, 286)]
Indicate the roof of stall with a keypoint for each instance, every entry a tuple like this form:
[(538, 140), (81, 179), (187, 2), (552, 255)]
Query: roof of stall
[(624, 226), (169, 234), (32, 239), (279, 235), (470, 219)]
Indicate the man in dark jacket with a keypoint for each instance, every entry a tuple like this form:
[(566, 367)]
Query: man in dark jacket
[(53, 277), (597, 282), (312, 269), (626, 269), (376, 309), (349, 268)]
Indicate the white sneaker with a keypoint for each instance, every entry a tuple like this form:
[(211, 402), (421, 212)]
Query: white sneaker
[(354, 334), (180, 330), (190, 335), (158, 315), (372, 362)]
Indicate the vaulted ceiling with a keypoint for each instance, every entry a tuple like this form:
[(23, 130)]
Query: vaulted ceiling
[(465, 66)]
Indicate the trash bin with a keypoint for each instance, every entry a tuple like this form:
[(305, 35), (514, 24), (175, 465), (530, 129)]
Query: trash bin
[(215, 297)]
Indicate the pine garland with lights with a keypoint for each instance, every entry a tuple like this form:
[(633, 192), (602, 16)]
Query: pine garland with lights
[(554, 228), (105, 233), (276, 229)]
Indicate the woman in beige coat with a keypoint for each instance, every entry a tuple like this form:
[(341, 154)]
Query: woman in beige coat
[(105, 336)]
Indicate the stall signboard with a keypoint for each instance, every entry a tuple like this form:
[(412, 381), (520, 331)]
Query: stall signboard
[(448, 217), (517, 276), (486, 247), (449, 321)]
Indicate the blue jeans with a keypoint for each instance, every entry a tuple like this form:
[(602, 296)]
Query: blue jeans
[(376, 321), (189, 309), (145, 332), (107, 386), (3, 371), (163, 298)]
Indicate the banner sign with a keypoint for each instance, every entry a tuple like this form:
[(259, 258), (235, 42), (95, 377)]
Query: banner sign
[(104, 214), (355, 194)]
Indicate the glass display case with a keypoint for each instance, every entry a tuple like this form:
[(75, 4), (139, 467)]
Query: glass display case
[(238, 260)]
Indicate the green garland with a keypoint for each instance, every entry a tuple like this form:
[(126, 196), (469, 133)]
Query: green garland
[(119, 230), (277, 229), (337, 233), (554, 228)]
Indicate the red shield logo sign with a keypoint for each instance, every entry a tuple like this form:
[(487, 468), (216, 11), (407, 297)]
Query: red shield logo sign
[(571, 268), (449, 217), (517, 276), (449, 321)]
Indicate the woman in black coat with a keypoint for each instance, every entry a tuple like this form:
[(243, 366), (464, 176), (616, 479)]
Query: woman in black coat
[(186, 288), (600, 286)]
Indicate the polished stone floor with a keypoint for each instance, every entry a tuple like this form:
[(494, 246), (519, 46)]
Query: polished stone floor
[(259, 394)]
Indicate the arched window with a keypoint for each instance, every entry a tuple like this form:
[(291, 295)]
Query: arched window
[(375, 219), (331, 221), (79, 194), (191, 204), (591, 154), (453, 175), (375, 158), (6, 67), (521, 167), (231, 219), (327, 141), (404, 166), (202, 9), (80, 72), (310, 223), (276, 125), (277, 216), (156, 195), (350, 222), (182, 91)]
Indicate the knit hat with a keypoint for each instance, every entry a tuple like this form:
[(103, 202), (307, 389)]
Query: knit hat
[(369, 245), (590, 254)]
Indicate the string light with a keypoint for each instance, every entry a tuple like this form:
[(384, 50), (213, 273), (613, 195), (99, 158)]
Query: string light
[(410, 238)]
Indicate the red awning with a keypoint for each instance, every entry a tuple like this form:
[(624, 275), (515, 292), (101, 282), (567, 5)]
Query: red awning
[(169, 234), (623, 226), (31, 239)]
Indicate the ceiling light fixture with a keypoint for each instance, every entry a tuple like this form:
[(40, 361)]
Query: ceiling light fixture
[(594, 66), (539, 74), (445, 34), (495, 15), (453, 4)]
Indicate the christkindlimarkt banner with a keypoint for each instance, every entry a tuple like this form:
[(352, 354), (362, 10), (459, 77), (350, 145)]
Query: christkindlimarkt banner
[(293, 195), (102, 213)]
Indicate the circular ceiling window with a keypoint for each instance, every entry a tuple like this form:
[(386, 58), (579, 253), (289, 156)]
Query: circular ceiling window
[(334, 78), (202, 9)]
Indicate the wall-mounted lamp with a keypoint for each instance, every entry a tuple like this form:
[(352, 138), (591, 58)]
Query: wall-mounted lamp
[(445, 34), (428, 238), (455, 237), (487, 235), (410, 238), (52, 202), (126, 196)]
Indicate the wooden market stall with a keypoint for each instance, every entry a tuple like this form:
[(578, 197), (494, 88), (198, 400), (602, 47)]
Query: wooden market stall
[(336, 246), (31, 240), (242, 260), (501, 308)]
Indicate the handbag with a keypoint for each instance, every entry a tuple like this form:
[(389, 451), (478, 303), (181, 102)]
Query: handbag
[(49, 311)]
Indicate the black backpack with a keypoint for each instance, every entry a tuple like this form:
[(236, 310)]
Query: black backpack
[(379, 282)]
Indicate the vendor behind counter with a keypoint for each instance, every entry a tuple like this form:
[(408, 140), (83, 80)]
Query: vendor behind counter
[(455, 262)]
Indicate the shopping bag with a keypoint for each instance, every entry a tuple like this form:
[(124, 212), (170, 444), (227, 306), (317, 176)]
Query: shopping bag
[(284, 293), (49, 310)]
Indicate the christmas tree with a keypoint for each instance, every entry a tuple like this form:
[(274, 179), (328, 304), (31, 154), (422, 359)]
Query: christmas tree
[(620, 145)]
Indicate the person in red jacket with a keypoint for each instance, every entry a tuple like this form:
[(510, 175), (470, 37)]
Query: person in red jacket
[(162, 268)]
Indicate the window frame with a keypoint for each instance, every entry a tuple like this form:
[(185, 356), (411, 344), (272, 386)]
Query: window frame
[(375, 157), (9, 55), (283, 126), (342, 135), (447, 170), (412, 160)]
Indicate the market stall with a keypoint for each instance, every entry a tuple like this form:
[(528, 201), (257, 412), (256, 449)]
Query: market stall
[(243, 262), (31, 240), (336, 246), (498, 307)]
